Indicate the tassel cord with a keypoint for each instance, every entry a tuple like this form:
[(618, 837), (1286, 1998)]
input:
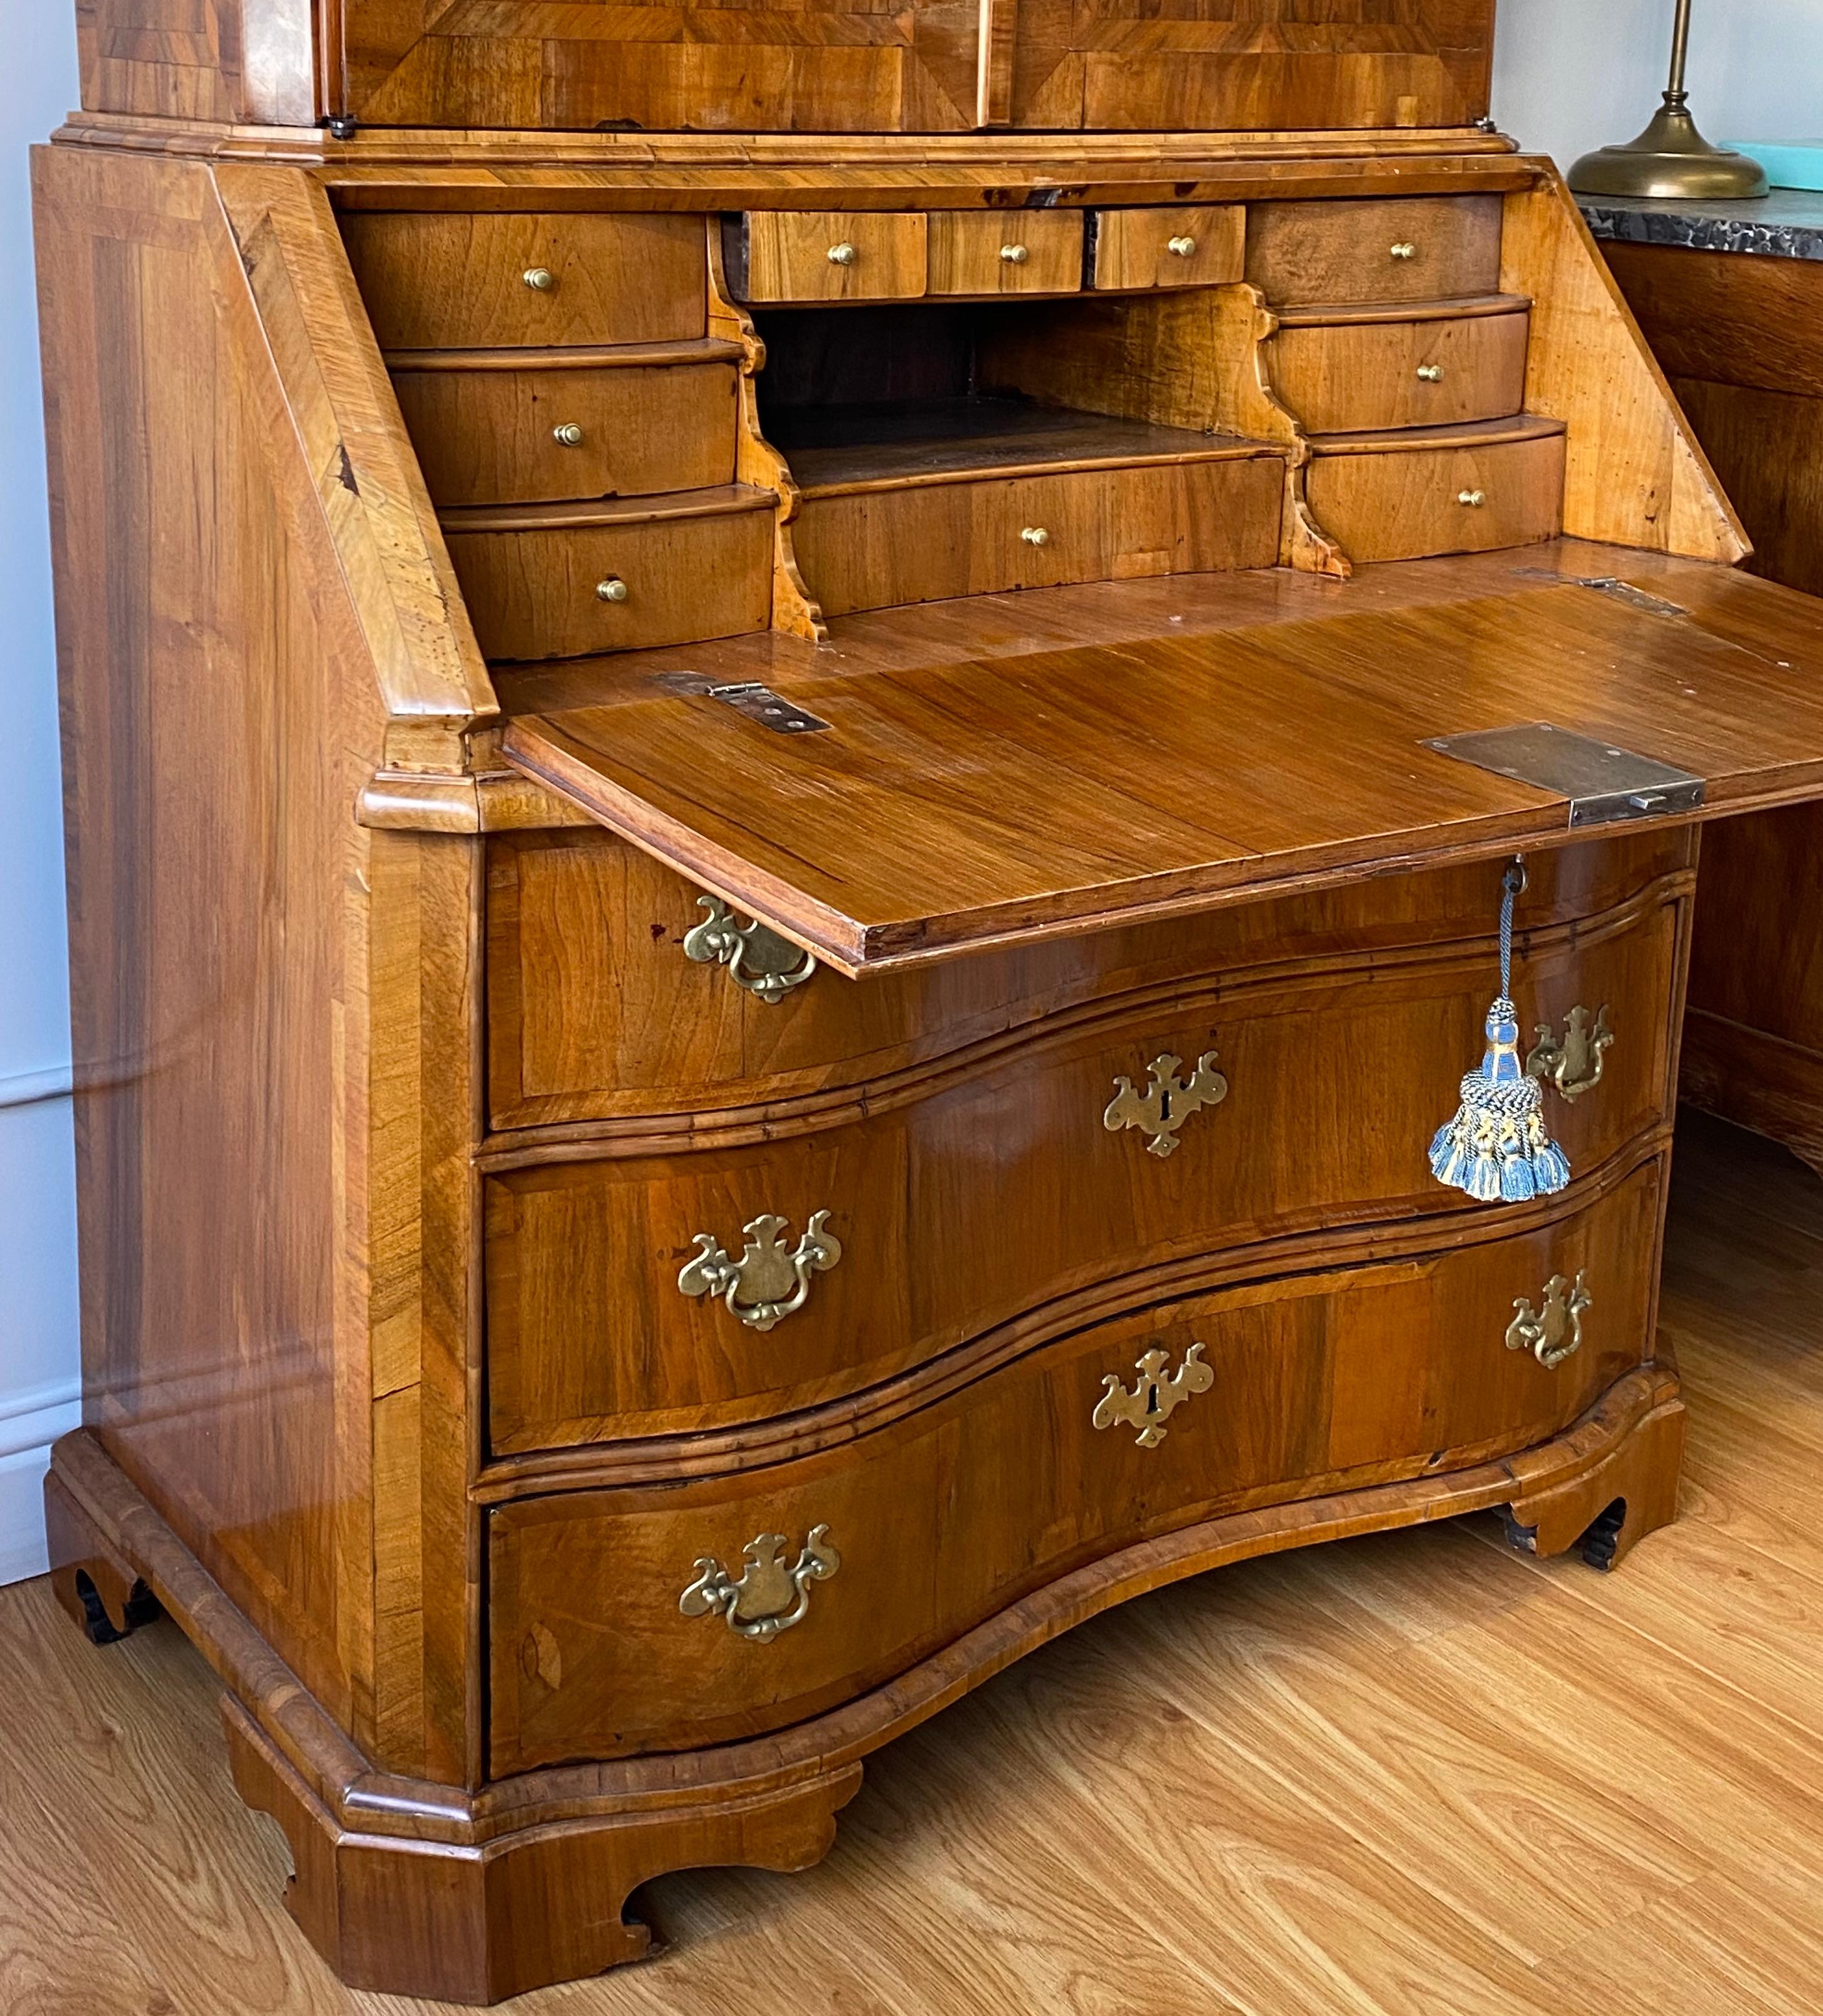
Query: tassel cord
[(1510, 884)]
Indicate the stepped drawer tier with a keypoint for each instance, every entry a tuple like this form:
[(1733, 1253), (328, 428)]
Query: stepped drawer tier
[(633, 1619), (557, 580), (1465, 490), (825, 255), (1195, 245), (1342, 376), (872, 547), (617, 990), (637, 1275), (1375, 249), (437, 280), (540, 427)]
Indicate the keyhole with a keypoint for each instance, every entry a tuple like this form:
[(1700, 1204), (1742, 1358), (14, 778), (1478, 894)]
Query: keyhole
[(1164, 1105)]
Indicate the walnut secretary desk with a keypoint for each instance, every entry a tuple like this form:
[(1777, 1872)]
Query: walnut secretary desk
[(767, 925)]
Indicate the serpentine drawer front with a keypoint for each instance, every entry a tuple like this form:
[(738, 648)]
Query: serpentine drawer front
[(1243, 1106), (1401, 249), (1406, 1367), (1341, 370)]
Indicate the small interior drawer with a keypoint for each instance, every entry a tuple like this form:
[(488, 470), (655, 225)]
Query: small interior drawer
[(437, 280), (492, 429), (1439, 370), (557, 580), (1187, 246), (825, 255), (1375, 249), (871, 548), (1000, 252), (1393, 499)]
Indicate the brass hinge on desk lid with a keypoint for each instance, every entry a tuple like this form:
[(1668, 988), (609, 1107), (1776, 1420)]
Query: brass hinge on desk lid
[(1602, 783)]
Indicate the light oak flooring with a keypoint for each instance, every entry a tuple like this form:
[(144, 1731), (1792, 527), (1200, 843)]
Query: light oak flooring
[(1416, 1775)]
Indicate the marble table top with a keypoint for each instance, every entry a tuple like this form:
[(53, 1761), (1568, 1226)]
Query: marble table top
[(1786, 225)]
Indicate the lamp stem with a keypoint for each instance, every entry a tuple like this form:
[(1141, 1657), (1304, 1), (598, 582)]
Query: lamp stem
[(1680, 51)]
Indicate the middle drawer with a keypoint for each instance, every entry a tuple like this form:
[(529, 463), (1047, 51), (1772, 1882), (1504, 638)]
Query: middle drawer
[(590, 1335)]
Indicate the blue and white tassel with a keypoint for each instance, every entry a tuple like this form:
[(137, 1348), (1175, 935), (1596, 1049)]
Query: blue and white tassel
[(1496, 1148)]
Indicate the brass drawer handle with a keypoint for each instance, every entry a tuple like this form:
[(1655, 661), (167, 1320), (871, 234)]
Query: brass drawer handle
[(756, 958), (1556, 1332), (1432, 374), (541, 280), (1575, 1064), (1183, 247), (1404, 250), (1015, 255), (1156, 1399), (1474, 499), (767, 1597), (1036, 535), (613, 589), (1167, 1101), (843, 254), (766, 1284), (567, 435)]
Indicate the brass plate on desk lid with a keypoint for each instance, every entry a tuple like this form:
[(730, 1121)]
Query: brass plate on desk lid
[(1603, 783)]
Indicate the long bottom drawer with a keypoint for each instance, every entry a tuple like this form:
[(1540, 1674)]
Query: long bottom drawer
[(628, 1620)]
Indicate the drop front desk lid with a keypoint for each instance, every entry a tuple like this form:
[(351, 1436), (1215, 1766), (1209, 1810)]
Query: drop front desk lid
[(939, 779)]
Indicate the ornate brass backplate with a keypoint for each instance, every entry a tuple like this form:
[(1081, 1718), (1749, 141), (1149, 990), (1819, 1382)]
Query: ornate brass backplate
[(1155, 1397), (767, 1597), (1556, 1332), (756, 958), (767, 1283), (1575, 1064), (1167, 1102)]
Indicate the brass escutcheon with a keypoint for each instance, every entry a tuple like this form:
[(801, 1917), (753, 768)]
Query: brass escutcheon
[(1575, 1064), (767, 1597), (757, 959), (1156, 1399), (1167, 1101), (767, 1283), (1554, 1332)]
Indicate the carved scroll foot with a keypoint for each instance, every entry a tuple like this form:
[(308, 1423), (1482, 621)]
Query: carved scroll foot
[(1604, 1514), (480, 1922), (89, 1577)]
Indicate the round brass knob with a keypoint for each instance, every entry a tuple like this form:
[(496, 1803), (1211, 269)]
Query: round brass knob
[(1473, 498), (843, 254), (1036, 535), (1015, 255), (568, 435), (541, 280), (613, 589), (1404, 249), (1432, 374), (1183, 247)]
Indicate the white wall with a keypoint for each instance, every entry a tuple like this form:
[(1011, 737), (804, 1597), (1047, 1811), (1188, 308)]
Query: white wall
[(1569, 75), (37, 1209)]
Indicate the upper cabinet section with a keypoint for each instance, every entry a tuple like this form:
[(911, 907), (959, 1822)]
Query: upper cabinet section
[(797, 65)]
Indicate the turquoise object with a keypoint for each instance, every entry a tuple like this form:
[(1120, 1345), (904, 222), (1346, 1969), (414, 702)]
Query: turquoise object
[(1788, 163)]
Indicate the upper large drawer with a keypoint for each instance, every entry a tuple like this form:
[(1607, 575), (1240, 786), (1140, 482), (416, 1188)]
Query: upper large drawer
[(446, 280), (1375, 249)]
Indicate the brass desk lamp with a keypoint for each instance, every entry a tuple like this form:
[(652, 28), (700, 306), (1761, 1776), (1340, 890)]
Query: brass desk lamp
[(1670, 158)]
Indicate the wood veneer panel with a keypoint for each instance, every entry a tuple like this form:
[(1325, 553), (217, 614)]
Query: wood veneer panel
[(1303, 710), (1387, 497), (1370, 374), (231, 60), (1339, 252)]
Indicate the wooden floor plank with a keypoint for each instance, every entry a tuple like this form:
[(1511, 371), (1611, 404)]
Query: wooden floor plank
[(1407, 1774)]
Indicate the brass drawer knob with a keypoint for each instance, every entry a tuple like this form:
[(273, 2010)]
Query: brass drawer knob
[(1167, 1101), (767, 1597), (1036, 535), (1015, 255), (757, 959), (568, 435), (1556, 1332), (843, 254), (1182, 246), (1404, 250), (613, 589), (767, 1283), (1574, 1064), (541, 280), (1432, 374), (1474, 499), (1156, 1399)]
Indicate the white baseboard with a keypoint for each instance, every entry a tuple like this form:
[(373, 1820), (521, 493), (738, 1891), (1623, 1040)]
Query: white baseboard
[(29, 1424)]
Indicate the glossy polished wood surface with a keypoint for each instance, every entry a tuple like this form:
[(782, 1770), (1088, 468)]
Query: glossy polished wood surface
[(1407, 250), (1338, 376)]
